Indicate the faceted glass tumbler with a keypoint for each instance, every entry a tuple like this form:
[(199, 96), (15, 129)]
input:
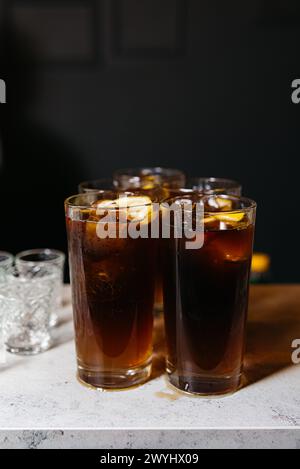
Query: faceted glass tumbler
[(25, 306), (27, 261), (3, 307), (6, 263)]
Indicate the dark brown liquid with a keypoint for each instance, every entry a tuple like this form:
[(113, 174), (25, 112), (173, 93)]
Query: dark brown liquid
[(113, 295), (206, 297)]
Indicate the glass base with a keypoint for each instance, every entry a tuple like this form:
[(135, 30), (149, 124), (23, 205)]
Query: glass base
[(115, 380), (18, 349), (206, 385)]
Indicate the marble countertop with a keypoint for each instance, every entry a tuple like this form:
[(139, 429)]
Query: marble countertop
[(42, 404)]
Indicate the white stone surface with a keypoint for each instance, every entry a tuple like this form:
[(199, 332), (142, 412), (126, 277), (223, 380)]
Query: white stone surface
[(42, 405)]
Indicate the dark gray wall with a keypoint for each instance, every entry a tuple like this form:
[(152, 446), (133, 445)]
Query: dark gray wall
[(200, 85)]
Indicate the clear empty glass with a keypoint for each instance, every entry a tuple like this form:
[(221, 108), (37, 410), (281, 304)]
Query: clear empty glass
[(6, 263), (26, 261), (25, 306), (2, 344)]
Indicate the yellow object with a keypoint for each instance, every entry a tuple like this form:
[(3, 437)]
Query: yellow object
[(260, 263), (225, 217), (138, 209), (230, 217)]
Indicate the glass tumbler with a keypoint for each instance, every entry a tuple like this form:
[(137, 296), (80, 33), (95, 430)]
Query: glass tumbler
[(206, 294), (157, 181), (36, 259), (6, 263), (25, 306), (113, 279)]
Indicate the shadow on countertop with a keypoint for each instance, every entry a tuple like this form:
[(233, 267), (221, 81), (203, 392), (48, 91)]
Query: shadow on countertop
[(274, 323)]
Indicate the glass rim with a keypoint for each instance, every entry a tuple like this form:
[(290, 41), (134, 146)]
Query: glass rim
[(130, 193), (153, 170), (8, 257), (85, 184), (182, 192), (59, 255), (216, 191), (230, 182), (14, 276), (250, 204)]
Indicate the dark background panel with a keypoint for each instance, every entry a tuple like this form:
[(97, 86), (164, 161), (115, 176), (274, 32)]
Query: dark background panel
[(101, 84), (149, 28), (61, 32)]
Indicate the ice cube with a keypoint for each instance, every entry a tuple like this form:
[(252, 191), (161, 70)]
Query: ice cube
[(219, 203), (138, 208)]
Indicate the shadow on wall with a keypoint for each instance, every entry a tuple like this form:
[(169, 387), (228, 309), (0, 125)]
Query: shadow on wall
[(38, 170)]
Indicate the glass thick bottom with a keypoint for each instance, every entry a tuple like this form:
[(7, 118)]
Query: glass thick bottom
[(116, 379), (206, 385), (15, 346)]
